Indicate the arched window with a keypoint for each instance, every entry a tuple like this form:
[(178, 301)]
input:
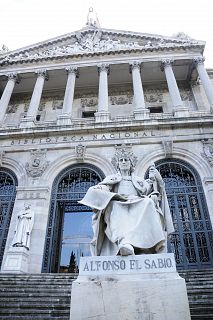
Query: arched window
[(192, 241), (69, 229), (8, 183)]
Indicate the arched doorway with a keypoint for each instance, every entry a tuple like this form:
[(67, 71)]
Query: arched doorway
[(8, 183), (192, 242), (69, 229)]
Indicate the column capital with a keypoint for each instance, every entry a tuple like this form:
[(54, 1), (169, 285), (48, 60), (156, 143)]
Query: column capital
[(135, 65), (72, 70), (103, 67), (13, 76), (166, 63), (42, 73), (198, 60)]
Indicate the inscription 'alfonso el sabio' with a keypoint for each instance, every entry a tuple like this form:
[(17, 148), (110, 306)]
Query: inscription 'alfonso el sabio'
[(145, 264)]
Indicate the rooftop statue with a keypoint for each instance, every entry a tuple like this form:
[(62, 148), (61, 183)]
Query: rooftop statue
[(92, 19), (131, 214)]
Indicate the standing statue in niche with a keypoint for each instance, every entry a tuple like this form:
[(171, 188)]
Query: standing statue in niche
[(24, 225), (131, 214)]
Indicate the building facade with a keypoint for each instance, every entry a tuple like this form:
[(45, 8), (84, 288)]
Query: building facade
[(67, 105)]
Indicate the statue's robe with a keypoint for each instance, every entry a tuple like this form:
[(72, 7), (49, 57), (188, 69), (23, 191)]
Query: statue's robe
[(139, 220)]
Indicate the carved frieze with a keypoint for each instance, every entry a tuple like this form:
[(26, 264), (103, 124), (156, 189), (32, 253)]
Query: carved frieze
[(89, 102), (57, 104), (208, 151), (37, 163), (12, 108), (122, 99)]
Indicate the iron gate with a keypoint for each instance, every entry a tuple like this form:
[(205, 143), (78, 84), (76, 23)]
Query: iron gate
[(69, 186), (192, 240), (8, 183)]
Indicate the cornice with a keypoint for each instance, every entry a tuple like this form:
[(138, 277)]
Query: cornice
[(75, 128), (100, 42)]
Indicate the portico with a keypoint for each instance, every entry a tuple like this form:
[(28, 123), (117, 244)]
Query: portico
[(97, 80)]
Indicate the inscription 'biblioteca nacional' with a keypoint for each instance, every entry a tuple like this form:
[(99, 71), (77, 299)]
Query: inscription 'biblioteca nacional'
[(85, 138), (131, 264)]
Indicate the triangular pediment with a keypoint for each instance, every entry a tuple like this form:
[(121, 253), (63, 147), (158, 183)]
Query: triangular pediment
[(94, 41)]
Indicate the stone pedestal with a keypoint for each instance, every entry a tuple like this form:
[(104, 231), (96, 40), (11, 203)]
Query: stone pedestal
[(181, 112), (64, 119), (102, 116), (141, 114), (145, 287), (16, 260), (27, 122)]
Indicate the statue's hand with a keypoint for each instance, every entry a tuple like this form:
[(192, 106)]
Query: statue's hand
[(120, 197)]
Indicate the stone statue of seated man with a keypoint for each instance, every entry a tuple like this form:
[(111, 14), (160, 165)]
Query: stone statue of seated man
[(131, 214)]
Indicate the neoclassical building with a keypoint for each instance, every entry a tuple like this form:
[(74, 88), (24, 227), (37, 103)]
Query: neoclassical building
[(67, 104)]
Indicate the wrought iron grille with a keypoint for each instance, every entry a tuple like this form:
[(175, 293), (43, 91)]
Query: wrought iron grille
[(69, 187), (8, 183), (192, 240)]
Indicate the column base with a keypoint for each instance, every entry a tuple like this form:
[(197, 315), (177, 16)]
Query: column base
[(27, 122), (141, 114), (181, 111), (16, 260), (102, 116), (64, 119)]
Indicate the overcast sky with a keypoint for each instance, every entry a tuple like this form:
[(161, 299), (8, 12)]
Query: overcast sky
[(25, 22)]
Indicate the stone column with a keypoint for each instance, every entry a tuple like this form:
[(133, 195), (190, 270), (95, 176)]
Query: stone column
[(5, 99), (65, 116), (140, 111), (179, 109), (103, 110), (35, 99), (199, 62)]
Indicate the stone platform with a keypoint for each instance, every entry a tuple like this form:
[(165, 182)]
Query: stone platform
[(142, 287)]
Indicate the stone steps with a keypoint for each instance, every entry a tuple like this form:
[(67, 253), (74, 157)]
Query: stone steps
[(47, 296), (199, 285), (37, 297)]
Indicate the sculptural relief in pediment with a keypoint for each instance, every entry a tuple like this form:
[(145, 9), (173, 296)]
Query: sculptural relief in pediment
[(93, 41)]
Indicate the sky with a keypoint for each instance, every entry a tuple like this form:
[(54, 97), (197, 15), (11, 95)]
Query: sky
[(25, 22)]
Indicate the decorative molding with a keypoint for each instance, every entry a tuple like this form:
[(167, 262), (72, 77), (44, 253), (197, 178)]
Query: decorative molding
[(31, 193), (37, 164), (89, 102), (168, 147), (103, 67), (14, 77), (12, 108), (166, 63), (72, 70), (42, 73), (208, 150), (135, 65), (198, 60), (2, 155), (121, 100), (57, 104), (80, 151), (153, 97)]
